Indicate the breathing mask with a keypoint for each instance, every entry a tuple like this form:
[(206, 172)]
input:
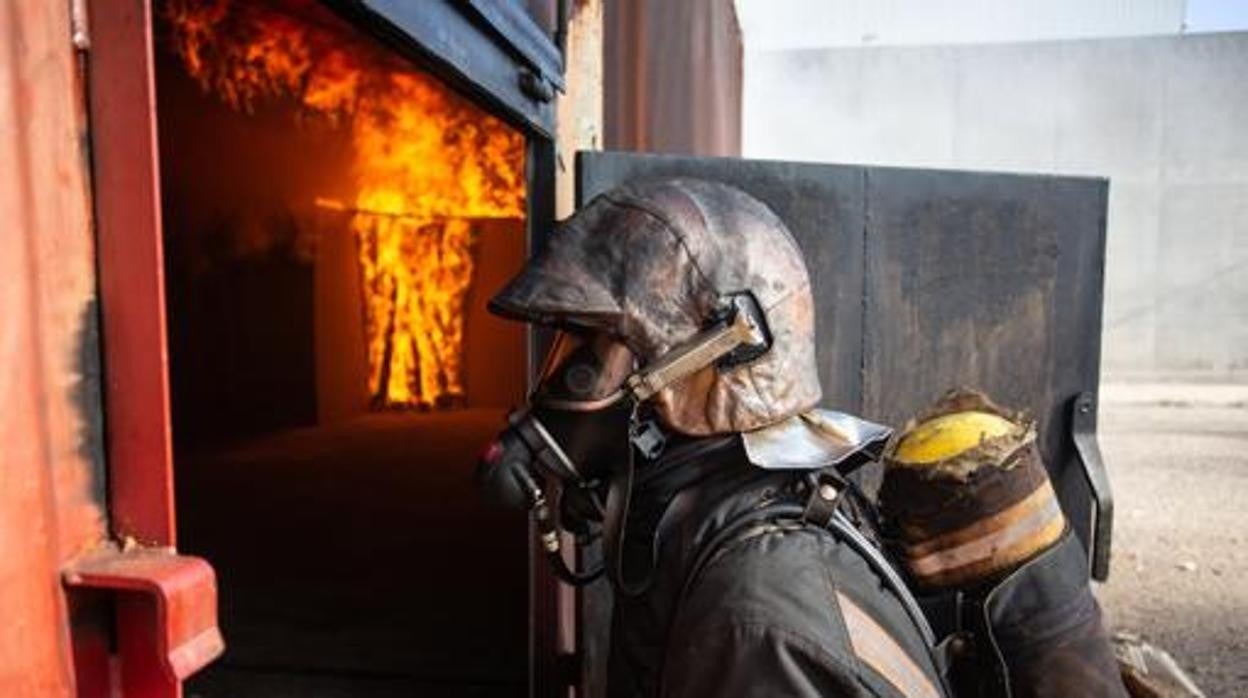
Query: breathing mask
[(582, 421)]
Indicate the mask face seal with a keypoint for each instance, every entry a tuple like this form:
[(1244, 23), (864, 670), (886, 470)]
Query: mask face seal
[(574, 430), (576, 425), (581, 424), (580, 411), (583, 373)]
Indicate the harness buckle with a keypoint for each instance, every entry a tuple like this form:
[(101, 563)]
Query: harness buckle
[(648, 438), (825, 497)]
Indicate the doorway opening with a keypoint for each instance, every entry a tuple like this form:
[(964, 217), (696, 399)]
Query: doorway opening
[(335, 218)]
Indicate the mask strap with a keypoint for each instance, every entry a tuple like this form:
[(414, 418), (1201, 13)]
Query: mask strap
[(745, 328), (615, 523)]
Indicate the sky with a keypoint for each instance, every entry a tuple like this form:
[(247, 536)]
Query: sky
[(796, 24), (1216, 15)]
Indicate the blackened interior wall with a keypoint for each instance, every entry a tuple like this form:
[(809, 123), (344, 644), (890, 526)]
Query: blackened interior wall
[(240, 229), (495, 363)]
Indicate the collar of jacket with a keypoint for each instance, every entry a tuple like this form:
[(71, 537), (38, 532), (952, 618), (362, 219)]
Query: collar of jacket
[(680, 501)]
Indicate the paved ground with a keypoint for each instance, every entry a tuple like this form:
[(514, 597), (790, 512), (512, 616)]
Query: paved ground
[(1178, 459)]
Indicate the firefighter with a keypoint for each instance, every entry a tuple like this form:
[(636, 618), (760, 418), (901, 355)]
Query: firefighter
[(676, 411)]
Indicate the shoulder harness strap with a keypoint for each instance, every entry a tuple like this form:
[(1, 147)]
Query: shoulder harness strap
[(823, 510)]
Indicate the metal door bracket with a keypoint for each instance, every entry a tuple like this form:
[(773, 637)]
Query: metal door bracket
[(536, 86), (80, 34), (165, 602), (1083, 434)]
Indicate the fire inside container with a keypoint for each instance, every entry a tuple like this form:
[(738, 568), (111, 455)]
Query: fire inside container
[(424, 163), (335, 219)]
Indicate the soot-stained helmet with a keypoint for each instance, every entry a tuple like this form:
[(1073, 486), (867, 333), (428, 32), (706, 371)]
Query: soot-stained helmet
[(656, 262)]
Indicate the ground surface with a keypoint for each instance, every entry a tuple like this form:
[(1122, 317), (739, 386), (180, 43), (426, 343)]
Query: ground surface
[(1178, 460)]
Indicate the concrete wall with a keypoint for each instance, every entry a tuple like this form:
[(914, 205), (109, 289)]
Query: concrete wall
[(769, 24), (1166, 119)]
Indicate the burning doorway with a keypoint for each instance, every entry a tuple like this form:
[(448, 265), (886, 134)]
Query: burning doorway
[(335, 218)]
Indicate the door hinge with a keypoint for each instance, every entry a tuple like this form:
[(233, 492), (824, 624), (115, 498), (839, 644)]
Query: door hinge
[(80, 34), (536, 86)]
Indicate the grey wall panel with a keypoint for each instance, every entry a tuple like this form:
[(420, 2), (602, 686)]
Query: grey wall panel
[(925, 280), (1162, 117)]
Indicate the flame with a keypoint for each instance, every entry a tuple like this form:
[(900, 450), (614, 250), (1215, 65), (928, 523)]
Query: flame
[(425, 162)]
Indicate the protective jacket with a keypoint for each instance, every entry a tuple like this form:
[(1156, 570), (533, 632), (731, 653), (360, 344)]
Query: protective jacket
[(780, 608), (741, 603)]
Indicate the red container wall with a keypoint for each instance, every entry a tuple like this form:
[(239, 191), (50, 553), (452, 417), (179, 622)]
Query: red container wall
[(51, 458)]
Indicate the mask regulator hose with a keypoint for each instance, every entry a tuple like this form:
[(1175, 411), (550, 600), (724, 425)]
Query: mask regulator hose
[(548, 533), (504, 474)]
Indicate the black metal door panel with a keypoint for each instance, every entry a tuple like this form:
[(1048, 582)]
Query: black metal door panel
[(992, 281), (489, 48)]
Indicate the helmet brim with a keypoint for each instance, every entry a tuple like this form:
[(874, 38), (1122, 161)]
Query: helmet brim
[(551, 293)]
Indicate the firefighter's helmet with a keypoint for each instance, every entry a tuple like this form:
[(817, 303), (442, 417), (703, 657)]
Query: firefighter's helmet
[(653, 264)]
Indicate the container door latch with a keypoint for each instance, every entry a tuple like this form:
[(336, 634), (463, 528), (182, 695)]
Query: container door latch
[(166, 610), (1088, 453)]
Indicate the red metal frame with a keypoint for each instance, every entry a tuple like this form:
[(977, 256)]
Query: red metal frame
[(132, 300), (126, 187), (164, 604)]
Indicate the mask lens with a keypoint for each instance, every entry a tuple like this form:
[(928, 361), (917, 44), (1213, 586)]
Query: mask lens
[(583, 370)]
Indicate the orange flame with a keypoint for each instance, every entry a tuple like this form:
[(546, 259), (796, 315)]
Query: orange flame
[(425, 162)]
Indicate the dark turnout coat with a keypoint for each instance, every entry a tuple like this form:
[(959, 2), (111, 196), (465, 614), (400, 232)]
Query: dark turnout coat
[(781, 607)]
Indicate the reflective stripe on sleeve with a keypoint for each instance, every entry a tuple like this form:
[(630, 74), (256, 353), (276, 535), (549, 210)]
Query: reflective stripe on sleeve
[(876, 648)]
